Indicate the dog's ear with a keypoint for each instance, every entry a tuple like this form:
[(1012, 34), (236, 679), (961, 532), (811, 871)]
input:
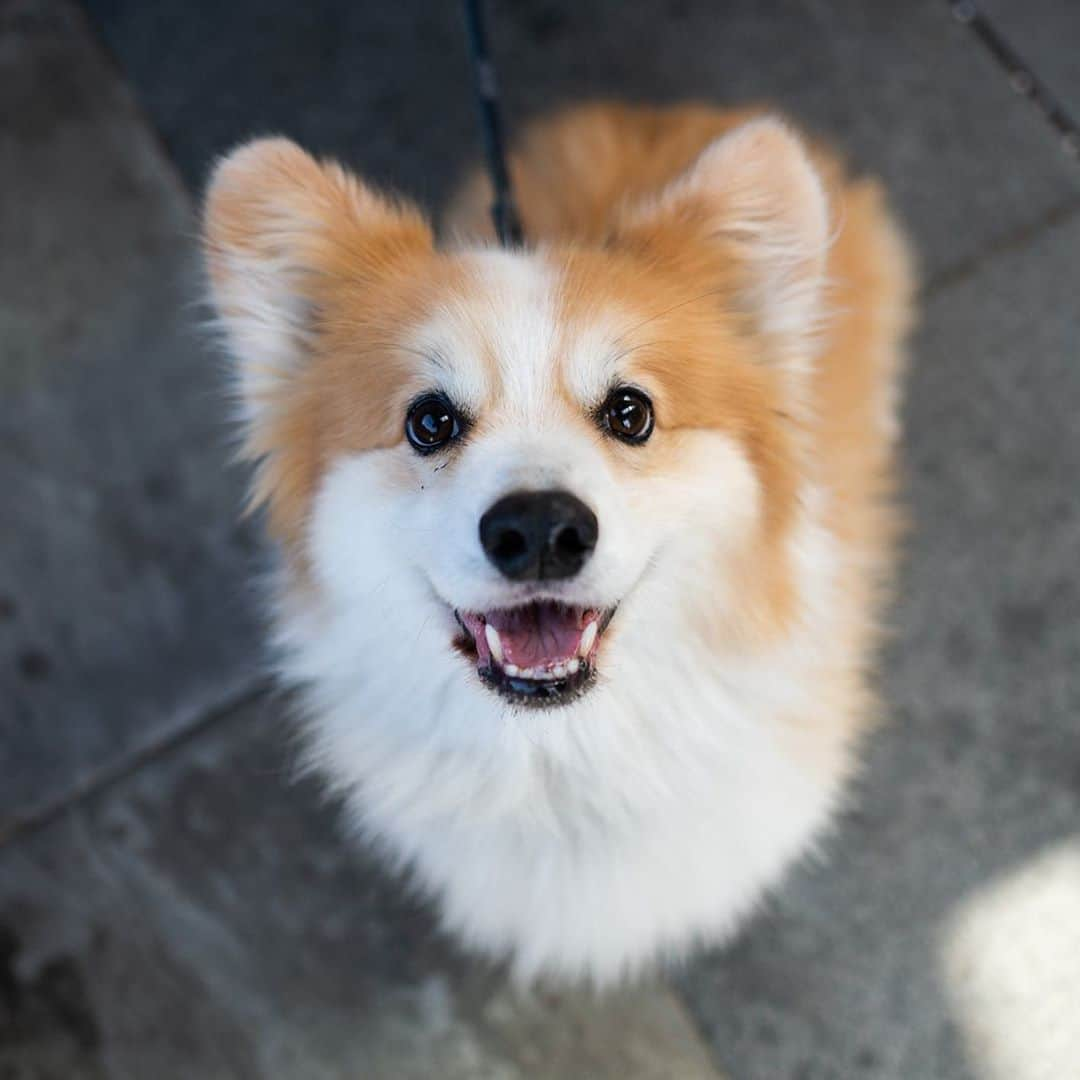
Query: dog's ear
[(753, 204), (282, 232)]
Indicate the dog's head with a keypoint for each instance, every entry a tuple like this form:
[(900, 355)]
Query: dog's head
[(520, 475)]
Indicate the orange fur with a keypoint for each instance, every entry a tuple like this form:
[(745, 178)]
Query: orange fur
[(355, 259)]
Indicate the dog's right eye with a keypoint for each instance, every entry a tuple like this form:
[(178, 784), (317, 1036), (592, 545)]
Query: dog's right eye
[(627, 414), (431, 423)]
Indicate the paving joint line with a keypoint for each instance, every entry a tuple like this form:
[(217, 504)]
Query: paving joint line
[(1021, 75), (1015, 240), (107, 776)]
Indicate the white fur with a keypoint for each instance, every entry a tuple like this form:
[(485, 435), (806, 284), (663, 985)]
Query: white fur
[(264, 323), (652, 813)]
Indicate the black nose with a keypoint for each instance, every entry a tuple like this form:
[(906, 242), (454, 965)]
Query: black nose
[(539, 535)]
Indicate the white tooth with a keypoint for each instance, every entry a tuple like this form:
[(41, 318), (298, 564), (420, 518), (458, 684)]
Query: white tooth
[(587, 639), (574, 666), (558, 671), (494, 644), (511, 669)]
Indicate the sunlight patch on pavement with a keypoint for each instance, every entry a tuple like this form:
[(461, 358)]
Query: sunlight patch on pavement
[(1011, 962)]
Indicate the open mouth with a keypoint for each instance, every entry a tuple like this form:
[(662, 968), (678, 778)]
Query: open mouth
[(542, 653)]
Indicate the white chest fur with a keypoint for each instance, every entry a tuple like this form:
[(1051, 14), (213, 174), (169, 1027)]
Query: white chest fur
[(589, 840)]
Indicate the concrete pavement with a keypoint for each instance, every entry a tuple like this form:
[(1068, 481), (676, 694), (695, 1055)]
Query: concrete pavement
[(172, 901)]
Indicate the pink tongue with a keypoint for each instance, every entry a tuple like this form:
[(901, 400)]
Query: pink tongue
[(539, 635)]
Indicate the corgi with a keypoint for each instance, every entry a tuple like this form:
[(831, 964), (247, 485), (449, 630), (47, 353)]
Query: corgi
[(583, 545)]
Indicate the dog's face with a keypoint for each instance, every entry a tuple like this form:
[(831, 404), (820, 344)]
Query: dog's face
[(517, 474)]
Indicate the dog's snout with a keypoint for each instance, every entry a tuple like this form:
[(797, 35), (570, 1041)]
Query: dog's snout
[(539, 535)]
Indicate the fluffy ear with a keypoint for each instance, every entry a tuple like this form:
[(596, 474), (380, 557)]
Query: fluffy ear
[(754, 196), (281, 233)]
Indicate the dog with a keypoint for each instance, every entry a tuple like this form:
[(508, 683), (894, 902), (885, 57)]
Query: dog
[(584, 545)]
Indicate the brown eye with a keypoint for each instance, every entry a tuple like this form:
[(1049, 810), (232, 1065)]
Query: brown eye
[(628, 413), (431, 423)]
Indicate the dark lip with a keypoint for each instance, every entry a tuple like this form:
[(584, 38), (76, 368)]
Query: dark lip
[(533, 693), (536, 694)]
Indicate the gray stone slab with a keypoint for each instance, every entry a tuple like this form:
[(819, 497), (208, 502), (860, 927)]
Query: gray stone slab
[(205, 918), (123, 609), (386, 87), (978, 767)]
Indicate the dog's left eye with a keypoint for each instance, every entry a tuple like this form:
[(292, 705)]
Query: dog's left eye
[(628, 414), (431, 423)]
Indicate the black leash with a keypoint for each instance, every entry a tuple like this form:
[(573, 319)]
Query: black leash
[(503, 209)]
